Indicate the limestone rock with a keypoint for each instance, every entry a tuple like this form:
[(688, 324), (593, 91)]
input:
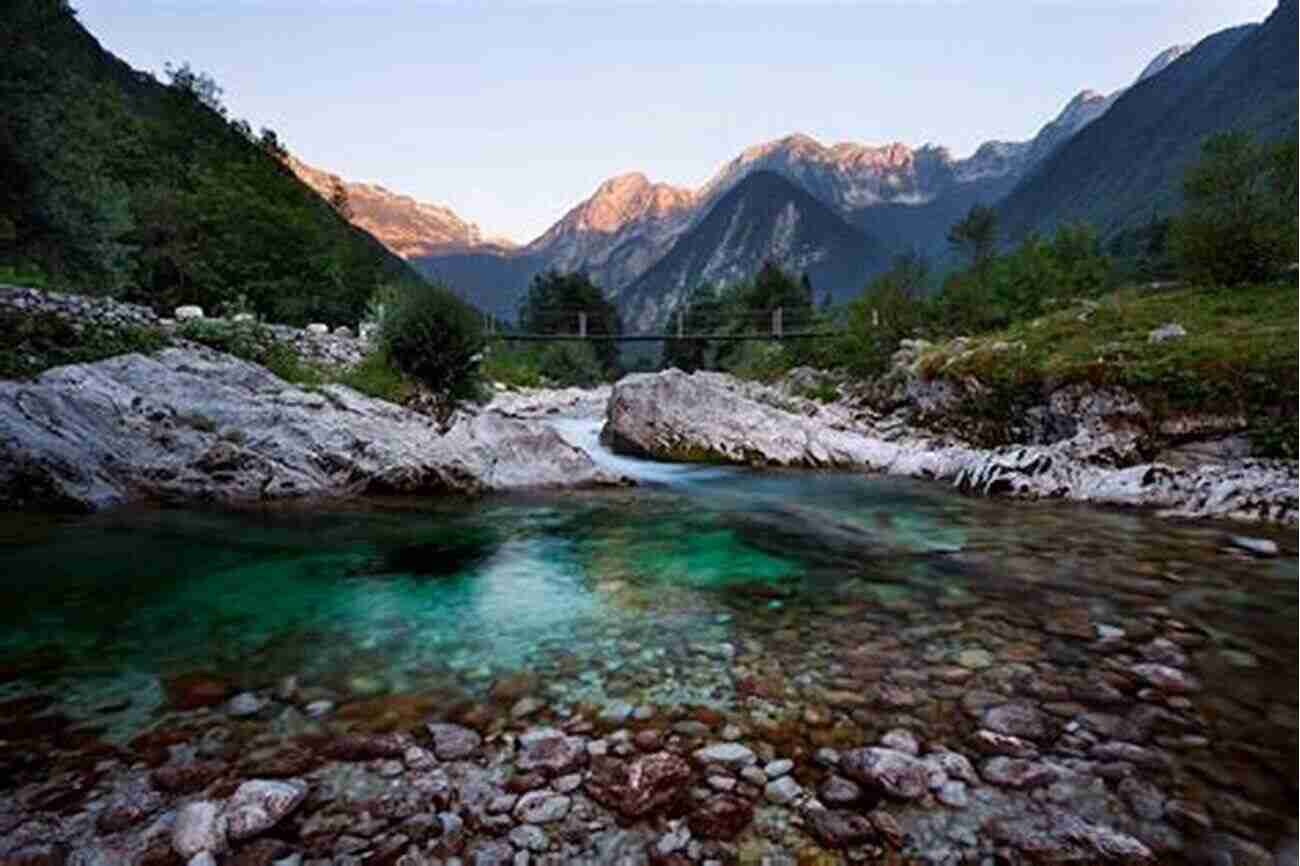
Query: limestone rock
[(260, 804), (1088, 447), (1166, 332), (1167, 679), (1062, 837), (541, 807), (730, 755), (896, 773), (551, 751), (1016, 720), (136, 427), (1016, 773), (200, 826), (452, 742)]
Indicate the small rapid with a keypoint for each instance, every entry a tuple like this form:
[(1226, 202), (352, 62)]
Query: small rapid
[(584, 433)]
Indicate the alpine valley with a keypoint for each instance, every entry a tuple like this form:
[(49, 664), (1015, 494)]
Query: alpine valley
[(840, 212)]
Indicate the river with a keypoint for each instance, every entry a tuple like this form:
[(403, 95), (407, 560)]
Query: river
[(837, 605)]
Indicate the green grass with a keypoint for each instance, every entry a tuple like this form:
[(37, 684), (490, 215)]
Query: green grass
[(33, 343), (376, 377), (1239, 356)]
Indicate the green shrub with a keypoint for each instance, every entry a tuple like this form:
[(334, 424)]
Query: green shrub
[(376, 376), (435, 338), (1239, 223), (23, 275), (512, 364), (30, 344), (242, 339), (283, 361), (761, 360), (571, 364), (253, 342)]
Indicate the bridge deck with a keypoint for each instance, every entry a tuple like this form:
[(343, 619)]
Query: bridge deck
[(645, 338)]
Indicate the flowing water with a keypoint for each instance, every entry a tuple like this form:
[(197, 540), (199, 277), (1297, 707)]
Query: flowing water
[(781, 595)]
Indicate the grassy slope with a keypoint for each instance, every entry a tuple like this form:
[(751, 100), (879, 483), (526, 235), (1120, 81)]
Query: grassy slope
[(1239, 355)]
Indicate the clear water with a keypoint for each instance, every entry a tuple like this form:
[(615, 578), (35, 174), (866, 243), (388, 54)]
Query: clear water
[(672, 592)]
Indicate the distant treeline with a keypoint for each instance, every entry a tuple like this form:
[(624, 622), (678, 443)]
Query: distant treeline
[(1238, 227)]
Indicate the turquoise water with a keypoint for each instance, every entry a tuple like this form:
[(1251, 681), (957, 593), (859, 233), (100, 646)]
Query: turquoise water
[(640, 594)]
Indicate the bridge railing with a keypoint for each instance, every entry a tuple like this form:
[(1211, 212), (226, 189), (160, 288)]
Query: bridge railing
[(559, 325)]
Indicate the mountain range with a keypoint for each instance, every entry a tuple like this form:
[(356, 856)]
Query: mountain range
[(408, 227), (839, 212)]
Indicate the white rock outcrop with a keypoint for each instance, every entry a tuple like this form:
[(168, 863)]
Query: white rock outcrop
[(195, 424)]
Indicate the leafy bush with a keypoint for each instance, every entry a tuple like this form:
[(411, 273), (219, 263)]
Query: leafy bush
[(1239, 223), (376, 376), (253, 342), (435, 338), (761, 360), (571, 364), (245, 340), (512, 364), (30, 344)]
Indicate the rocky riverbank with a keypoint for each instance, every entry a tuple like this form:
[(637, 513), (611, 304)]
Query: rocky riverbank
[(1090, 445), (1062, 741), (193, 424)]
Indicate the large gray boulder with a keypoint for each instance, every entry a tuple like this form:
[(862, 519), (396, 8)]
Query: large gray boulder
[(713, 417), (195, 424)]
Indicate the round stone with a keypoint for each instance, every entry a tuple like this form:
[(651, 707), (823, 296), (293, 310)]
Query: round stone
[(975, 659), (541, 807)]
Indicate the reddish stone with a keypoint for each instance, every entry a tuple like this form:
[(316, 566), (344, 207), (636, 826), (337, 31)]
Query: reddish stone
[(635, 789), (187, 778), (523, 782), (160, 853), (366, 747), (721, 817), (259, 852), (36, 855), (195, 690), (289, 761)]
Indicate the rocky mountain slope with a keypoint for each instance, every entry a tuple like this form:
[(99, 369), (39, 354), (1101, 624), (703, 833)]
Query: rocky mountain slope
[(619, 232), (764, 217), (408, 227), (1126, 166), (904, 197)]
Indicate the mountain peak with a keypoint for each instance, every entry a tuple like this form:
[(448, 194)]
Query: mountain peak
[(406, 226), (1162, 60), (632, 180)]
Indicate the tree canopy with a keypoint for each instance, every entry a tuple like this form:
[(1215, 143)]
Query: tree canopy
[(1239, 221)]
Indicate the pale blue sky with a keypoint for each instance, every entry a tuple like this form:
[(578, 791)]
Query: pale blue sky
[(512, 113)]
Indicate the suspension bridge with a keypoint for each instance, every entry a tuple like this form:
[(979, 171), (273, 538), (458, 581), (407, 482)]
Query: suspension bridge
[(584, 325)]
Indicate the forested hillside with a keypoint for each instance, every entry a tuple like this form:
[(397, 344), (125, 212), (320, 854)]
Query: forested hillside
[(113, 182)]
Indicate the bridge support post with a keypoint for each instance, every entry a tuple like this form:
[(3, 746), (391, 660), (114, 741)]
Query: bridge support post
[(681, 326), (582, 324), (777, 323)]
